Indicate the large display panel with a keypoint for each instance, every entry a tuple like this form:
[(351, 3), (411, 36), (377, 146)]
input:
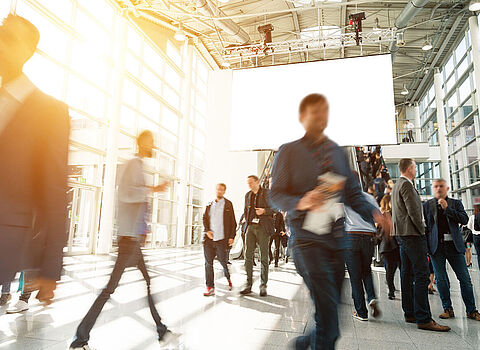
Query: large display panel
[(360, 92)]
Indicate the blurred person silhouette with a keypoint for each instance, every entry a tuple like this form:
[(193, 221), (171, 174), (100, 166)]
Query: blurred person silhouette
[(132, 214), (34, 133), (312, 180)]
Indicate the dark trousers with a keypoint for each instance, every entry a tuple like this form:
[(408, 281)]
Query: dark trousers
[(129, 254), (414, 274), (392, 262), (358, 257), (274, 238), (410, 136), (322, 269), (476, 243), (256, 235), (210, 250), (446, 251)]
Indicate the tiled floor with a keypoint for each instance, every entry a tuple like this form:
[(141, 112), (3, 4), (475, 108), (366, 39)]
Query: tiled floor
[(226, 321)]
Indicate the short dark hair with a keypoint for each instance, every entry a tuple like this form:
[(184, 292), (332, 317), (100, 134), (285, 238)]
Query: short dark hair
[(439, 180), (222, 184), (311, 100), (404, 164), (34, 34), (255, 177)]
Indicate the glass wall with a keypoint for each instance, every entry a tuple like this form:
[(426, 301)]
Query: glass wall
[(426, 173), (461, 118), (75, 63)]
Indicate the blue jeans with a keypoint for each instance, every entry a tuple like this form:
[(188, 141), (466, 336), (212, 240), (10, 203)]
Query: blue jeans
[(210, 250), (359, 258), (322, 269), (446, 251), (414, 275)]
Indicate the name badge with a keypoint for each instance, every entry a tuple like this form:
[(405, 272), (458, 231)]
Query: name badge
[(255, 220)]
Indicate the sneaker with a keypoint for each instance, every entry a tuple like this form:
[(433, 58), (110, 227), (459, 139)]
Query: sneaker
[(446, 314), (230, 285), (169, 339), (209, 292), (20, 306), (374, 308), (5, 298), (263, 291), (85, 347), (474, 315), (246, 291), (358, 317), (286, 260)]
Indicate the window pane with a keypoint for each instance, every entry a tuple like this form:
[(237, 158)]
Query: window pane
[(472, 152), (46, 75), (464, 90), (460, 50), (174, 53), (170, 120)]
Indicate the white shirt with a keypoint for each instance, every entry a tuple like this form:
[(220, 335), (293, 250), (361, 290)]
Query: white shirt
[(216, 219), (12, 95), (409, 126), (471, 225)]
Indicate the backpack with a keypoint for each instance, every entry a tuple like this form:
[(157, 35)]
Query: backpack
[(476, 222)]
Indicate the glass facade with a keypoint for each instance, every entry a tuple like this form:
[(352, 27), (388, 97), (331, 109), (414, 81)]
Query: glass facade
[(461, 118), (77, 62)]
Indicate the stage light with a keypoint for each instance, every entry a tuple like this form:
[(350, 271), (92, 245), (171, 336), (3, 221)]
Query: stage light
[(179, 35), (400, 39), (427, 45), (474, 5)]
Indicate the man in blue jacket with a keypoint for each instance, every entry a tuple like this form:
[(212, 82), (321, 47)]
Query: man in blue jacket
[(444, 217), (318, 242)]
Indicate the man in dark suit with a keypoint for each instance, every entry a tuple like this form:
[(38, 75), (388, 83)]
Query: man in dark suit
[(277, 237), (219, 233), (34, 132), (259, 226), (410, 233), (444, 217)]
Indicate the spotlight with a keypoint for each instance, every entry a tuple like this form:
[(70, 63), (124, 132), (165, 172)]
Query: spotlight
[(474, 5), (400, 39), (427, 45), (179, 34), (404, 92)]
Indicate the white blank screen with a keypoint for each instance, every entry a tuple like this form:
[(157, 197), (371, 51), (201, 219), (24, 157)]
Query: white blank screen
[(359, 90)]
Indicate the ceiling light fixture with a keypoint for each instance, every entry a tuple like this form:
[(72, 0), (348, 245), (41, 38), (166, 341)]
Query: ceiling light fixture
[(405, 90), (179, 34), (400, 39), (474, 5), (427, 46), (226, 64), (223, 1)]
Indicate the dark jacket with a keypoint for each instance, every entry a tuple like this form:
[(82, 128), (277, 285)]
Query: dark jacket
[(456, 217), (229, 222), (406, 210), (295, 172), (266, 220), (33, 186), (279, 223)]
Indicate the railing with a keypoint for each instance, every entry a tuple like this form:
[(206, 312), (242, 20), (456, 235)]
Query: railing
[(419, 136), (267, 171)]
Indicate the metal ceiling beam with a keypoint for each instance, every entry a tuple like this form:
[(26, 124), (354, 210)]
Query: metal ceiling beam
[(296, 26)]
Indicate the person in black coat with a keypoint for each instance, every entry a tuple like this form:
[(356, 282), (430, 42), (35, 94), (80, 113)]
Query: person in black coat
[(279, 224), (34, 135)]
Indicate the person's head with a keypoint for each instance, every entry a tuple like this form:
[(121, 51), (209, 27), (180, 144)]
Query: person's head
[(371, 189), (407, 168), (313, 112), (390, 183), (379, 174), (407, 121), (367, 159), (145, 144), (253, 182), (389, 190), (377, 155), (18, 41), (386, 203), (440, 188), (221, 189)]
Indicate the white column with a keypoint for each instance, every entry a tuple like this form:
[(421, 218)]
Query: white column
[(442, 131), (108, 196), (183, 148)]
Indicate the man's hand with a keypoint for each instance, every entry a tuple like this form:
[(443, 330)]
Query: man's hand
[(45, 289), (230, 242), (443, 203), (161, 188), (384, 221), (210, 234), (259, 211), (282, 233), (312, 200)]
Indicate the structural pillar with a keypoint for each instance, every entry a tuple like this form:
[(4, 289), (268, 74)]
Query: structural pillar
[(104, 242), (442, 131), (475, 39)]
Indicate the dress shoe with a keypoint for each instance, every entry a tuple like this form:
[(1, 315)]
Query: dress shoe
[(446, 314), (474, 315), (433, 326), (246, 291), (263, 291)]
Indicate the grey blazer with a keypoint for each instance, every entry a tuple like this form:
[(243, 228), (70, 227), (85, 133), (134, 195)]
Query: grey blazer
[(406, 210), (132, 198)]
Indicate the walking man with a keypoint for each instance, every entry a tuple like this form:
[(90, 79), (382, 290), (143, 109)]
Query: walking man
[(220, 228), (410, 233), (259, 227), (444, 217), (309, 174), (132, 212)]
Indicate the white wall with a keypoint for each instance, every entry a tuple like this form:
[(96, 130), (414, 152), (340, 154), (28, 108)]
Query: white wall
[(222, 165)]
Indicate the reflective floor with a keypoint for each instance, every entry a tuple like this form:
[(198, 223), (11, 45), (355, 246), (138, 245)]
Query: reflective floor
[(225, 321)]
